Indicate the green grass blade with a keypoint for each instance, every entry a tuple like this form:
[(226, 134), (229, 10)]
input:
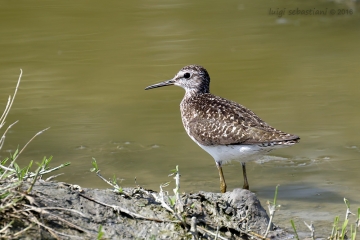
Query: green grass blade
[(343, 229), (276, 193), (294, 227)]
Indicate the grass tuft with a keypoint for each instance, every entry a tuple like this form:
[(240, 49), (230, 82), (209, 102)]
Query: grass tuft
[(18, 209)]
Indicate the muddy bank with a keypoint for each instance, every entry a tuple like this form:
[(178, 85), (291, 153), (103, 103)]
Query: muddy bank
[(69, 212)]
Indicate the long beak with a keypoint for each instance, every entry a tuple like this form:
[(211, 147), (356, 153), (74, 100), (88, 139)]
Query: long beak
[(162, 84)]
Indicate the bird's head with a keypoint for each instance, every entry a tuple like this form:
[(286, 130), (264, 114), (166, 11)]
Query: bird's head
[(193, 78)]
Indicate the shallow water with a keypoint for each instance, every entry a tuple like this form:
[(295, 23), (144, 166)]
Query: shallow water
[(86, 65)]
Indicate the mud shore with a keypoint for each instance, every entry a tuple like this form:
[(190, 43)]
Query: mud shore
[(69, 212)]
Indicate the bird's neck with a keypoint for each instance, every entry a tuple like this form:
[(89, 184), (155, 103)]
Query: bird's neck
[(192, 92)]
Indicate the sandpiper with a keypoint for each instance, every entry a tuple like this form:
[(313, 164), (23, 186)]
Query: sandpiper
[(224, 129)]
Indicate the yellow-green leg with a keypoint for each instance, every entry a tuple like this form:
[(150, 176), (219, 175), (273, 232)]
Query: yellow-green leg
[(222, 179)]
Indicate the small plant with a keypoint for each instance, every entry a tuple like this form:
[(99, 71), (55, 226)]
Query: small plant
[(95, 166), (272, 209), (174, 203), (15, 204), (100, 233), (176, 198), (337, 232), (293, 226), (112, 183)]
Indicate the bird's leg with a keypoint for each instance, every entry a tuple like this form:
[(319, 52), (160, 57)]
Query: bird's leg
[(246, 184), (222, 179)]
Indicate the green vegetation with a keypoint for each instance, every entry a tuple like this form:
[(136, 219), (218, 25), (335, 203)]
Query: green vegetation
[(100, 233), (112, 183), (17, 207), (338, 232), (272, 209)]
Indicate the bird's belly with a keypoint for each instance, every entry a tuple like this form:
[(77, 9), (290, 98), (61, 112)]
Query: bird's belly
[(227, 153)]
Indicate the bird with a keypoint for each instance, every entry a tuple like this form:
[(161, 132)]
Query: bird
[(225, 129)]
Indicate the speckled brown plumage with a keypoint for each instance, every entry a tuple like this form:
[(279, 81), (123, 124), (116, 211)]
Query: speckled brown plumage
[(225, 129), (213, 120)]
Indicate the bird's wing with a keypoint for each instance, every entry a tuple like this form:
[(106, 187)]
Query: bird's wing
[(210, 132), (219, 125)]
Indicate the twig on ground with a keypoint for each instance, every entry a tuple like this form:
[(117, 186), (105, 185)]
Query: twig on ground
[(193, 229), (311, 227), (120, 209), (53, 176), (43, 211), (205, 231), (23, 230), (36, 221), (161, 198), (217, 232), (6, 226), (64, 209)]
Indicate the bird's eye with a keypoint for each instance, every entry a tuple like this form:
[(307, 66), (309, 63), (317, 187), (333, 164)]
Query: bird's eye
[(187, 75)]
